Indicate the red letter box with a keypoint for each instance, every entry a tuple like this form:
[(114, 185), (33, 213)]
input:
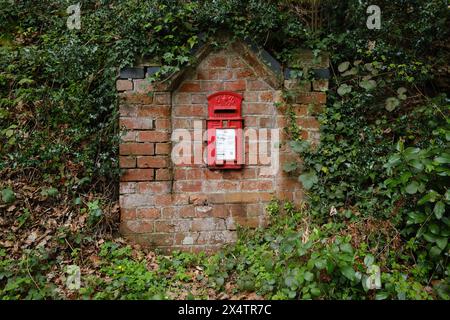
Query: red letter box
[(225, 126)]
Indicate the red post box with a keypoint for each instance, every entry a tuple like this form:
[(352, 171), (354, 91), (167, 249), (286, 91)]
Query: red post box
[(225, 125)]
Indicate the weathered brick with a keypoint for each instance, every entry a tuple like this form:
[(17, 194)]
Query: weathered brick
[(187, 186), (218, 62), (244, 73), (143, 86), (320, 85), (162, 148), (135, 98), (160, 239), (152, 162), (154, 187), (128, 136), (308, 122), (198, 99), (162, 98), (127, 187), (142, 123), (124, 85), (164, 226), (127, 214), (148, 213), (257, 108), (136, 149), (211, 86), (190, 87), (257, 85), (238, 85), (137, 175)]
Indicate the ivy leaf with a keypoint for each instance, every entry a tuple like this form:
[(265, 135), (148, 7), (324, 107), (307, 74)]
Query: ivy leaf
[(429, 197), (344, 89), (348, 272), (435, 251), (401, 93), (412, 187), (8, 195), (442, 243), (343, 66), (289, 167), (381, 296), (391, 103), (308, 276), (439, 209), (347, 248), (308, 179), (444, 158), (368, 260), (350, 72), (368, 84), (300, 146)]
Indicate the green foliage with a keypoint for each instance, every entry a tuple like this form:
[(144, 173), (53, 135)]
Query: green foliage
[(294, 259)]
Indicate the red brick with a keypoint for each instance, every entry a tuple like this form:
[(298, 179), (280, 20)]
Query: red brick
[(153, 136), (198, 99), (155, 111), (164, 226), (148, 213), (142, 123), (182, 98), (212, 86), (187, 212), (162, 98), (162, 148), (219, 211), (244, 73), (169, 212), (238, 85), (309, 123), (258, 108), (152, 162), (128, 136), (182, 123), (137, 175), (190, 111), (124, 85), (258, 85), (128, 110), (162, 124), (127, 162), (163, 174), (218, 62), (190, 87), (136, 149), (135, 98), (194, 174), (127, 214), (311, 97), (266, 96)]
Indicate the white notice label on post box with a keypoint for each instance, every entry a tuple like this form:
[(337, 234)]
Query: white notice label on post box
[(225, 144)]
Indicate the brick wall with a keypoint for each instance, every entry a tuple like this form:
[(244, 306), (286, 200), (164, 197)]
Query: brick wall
[(189, 206)]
